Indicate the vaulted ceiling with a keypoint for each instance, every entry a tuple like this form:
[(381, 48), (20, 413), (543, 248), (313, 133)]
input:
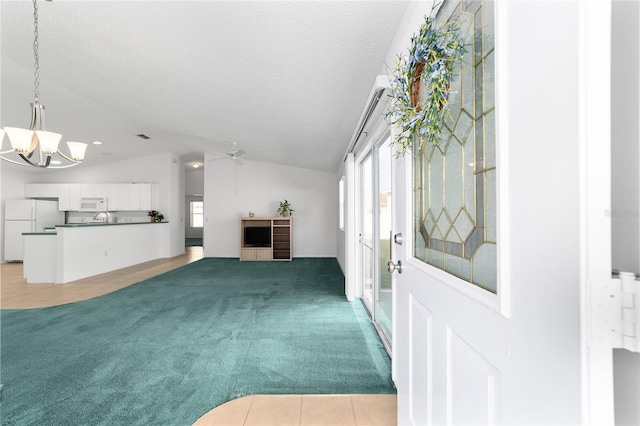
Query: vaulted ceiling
[(285, 80)]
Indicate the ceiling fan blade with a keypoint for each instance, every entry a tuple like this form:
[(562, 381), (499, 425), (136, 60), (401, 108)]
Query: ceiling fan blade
[(239, 153)]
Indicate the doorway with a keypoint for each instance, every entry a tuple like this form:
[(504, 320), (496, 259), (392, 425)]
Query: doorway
[(195, 220), (194, 201)]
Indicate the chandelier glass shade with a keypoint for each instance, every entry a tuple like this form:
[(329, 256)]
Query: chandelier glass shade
[(36, 146)]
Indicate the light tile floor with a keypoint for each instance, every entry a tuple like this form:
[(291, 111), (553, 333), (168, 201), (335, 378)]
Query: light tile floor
[(254, 410), (304, 410)]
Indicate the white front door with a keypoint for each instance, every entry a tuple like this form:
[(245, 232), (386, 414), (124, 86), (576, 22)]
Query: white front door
[(451, 342), (487, 326)]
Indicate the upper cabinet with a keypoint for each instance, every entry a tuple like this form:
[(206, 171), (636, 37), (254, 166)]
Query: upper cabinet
[(50, 190), (120, 196)]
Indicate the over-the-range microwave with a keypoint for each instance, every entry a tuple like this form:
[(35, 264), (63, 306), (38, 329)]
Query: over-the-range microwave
[(93, 204)]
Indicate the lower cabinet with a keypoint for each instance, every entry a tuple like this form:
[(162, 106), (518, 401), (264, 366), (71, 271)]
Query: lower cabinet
[(256, 254)]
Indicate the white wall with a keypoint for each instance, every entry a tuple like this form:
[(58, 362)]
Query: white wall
[(260, 186), (164, 169), (194, 182)]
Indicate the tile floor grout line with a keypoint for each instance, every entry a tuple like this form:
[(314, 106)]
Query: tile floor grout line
[(353, 411), (300, 416), (246, 416)]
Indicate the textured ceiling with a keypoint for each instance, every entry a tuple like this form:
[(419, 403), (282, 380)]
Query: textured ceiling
[(284, 80)]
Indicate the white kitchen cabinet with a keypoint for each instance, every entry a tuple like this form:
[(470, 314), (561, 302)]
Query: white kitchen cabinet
[(33, 190), (113, 199), (145, 196), (124, 201), (59, 191), (120, 196), (64, 200), (140, 196), (86, 190), (43, 190), (134, 196), (74, 196), (100, 189), (93, 190)]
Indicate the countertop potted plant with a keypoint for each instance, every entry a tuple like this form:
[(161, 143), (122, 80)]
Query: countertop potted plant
[(153, 214)]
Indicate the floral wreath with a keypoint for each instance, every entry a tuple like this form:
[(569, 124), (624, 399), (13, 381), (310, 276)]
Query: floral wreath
[(432, 56)]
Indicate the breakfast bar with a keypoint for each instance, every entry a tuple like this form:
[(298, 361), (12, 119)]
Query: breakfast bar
[(77, 251)]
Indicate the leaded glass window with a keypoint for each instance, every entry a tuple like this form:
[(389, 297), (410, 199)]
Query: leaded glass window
[(455, 182)]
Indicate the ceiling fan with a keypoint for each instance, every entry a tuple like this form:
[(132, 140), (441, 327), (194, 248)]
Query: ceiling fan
[(234, 154)]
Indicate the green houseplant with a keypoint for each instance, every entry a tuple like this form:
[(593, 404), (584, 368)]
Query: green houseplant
[(159, 217), (153, 214), (285, 208)]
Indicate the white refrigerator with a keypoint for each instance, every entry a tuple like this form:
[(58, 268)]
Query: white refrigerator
[(27, 216)]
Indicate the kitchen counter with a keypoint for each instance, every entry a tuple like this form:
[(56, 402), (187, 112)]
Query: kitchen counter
[(81, 250), (86, 224)]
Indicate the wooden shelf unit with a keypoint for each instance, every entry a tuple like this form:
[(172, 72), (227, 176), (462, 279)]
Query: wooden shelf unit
[(280, 245)]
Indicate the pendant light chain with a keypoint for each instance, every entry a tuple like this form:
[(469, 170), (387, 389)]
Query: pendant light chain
[(36, 56)]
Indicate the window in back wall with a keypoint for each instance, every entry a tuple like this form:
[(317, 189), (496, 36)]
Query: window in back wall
[(196, 215)]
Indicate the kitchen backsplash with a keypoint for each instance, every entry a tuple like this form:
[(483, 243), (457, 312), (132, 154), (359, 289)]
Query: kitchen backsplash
[(116, 217)]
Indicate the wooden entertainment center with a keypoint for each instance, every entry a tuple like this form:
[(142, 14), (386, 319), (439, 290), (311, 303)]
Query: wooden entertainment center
[(265, 238)]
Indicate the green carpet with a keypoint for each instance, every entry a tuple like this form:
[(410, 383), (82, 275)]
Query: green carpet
[(189, 242), (168, 349)]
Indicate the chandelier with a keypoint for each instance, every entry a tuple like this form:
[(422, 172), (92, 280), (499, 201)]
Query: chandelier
[(35, 145)]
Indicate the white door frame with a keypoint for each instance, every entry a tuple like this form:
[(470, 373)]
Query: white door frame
[(595, 196)]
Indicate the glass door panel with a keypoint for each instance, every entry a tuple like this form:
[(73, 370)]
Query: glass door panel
[(366, 235), (383, 304)]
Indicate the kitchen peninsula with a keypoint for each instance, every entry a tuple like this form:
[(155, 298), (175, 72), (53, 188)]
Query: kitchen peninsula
[(77, 251)]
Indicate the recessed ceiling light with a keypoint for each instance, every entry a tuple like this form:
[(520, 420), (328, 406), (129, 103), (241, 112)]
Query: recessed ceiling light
[(56, 162), (195, 165), (97, 143)]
